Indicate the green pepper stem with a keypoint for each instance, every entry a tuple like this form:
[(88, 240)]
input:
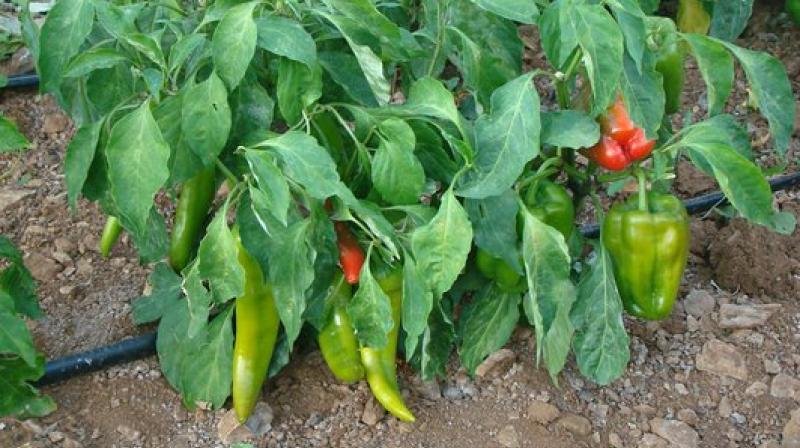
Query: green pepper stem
[(642, 179)]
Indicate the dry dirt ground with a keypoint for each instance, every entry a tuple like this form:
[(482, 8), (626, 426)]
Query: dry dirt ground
[(724, 371)]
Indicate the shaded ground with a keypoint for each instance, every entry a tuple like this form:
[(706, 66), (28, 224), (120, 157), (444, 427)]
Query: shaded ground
[(746, 401)]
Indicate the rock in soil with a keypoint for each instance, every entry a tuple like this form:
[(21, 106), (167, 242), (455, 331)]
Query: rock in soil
[(791, 432), (699, 303), (580, 426), (508, 437), (542, 412), (258, 424), (746, 316), (722, 359), (785, 386), (653, 441), (373, 412), (496, 364), (675, 432)]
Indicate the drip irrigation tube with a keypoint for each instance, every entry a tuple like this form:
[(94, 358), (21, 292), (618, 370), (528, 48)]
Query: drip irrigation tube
[(145, 345)]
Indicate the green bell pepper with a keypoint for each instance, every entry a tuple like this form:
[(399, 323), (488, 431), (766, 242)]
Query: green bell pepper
[(692, 17), (648, 241), (551, 204)]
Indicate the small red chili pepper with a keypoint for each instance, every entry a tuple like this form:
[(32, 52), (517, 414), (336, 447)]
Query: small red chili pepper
[(608, 154), (351, 256)]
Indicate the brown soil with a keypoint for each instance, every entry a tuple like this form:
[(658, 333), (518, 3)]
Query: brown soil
[(87, 301)]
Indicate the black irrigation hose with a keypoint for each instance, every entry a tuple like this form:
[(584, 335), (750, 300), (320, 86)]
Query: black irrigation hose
[(145, 345)]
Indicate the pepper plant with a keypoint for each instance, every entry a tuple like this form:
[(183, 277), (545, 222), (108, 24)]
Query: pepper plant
[(405, 137)]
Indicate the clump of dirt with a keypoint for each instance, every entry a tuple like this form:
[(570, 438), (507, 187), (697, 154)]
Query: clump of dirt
[(756, 261), (691, 181)]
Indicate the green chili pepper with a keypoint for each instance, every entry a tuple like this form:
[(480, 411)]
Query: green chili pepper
[(337, 341), (110, 235), (196, 197), (380, 364), (793, 8), (257, 324), (648, 242), (670, 57), (692, 17)]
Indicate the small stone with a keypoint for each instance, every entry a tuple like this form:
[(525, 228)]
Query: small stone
[(575, 424), (56, 436), (699, 303), (230, 430), (688, 416), (373, 412), (64, 245), (772, 367), (614, 440), (542, 412), (746, 316), (692, 324), (722, 359), (84, 267), (653, 441), (757, 389), (724, 408), (42, 268), (54, 123), (66, 290), (11, 197), (62, 258), (645, 409), (71, 443), (791, 431), (496, 364), (681, 389), (429, 390), (770, 444), (130, 434), (734, 435), (785, 386), (508, 437), (675, 432), (452, 393)]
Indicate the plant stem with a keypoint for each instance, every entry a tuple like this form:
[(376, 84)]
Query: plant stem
[(228, 173), (641, 177)]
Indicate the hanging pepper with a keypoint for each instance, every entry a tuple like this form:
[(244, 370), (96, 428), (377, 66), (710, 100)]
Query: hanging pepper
[(380, 364), (257, 324), (692, 17), (621, 141), (670, 56), (351, 256), (110, 235), (195, 199), (793, 8), (337, 341), (551, 204), (647, 238)]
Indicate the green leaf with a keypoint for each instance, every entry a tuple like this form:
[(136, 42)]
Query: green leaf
[(483, 71), (10, 138), (274, 190), (550, 291), (730, 19), (199, 301), (287, 38), (180, 52), (397, 174), (486, 324), (493, 34), (183, 163), (152, 244), (630, 17), (148, 46), (234, 43), (441, 246), (298, 88), (310, 165), (252, 108), (429, 97), (436, 343), (370, 63), (506, 140), (206, 118), (771, 90), (601, 40), (3, 80), (370, 310), (93, 59), (15, 339), (17, 397), (137, 166), (494, 220), (716, 67), (207, 373), (417, 305), (218, 260), (524, 11), (68, 24), (601, 343), (643, 93), (80, 154), (398, 44), (344, 70), (569, 129), (165, 290), (291, 274), (17, 283)]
